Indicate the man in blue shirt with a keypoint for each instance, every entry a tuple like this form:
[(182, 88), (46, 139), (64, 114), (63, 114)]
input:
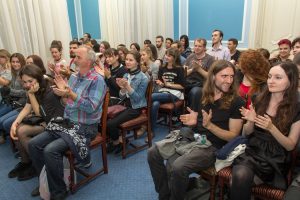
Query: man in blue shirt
[(83, 95)]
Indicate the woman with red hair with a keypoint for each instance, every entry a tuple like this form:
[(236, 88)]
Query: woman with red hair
[(255, 69), (285, 47)]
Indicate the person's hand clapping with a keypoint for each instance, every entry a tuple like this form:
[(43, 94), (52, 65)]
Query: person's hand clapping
[(248, 114), (189, 119)]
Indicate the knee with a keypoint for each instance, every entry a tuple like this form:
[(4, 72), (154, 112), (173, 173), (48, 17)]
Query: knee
[(20, 132), (155, 105), (152, 154), (178, 169), (241, 174), (195, 92), (6, 125), (32, 145)]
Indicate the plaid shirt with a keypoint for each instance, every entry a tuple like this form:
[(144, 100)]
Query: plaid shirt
[(90, 90)]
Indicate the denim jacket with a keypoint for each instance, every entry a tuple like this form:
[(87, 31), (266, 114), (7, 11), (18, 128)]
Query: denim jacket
[(139, 85)]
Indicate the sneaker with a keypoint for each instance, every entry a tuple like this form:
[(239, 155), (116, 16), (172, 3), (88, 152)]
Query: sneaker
[(118, 148), (17, 155), (60, 196), (35, 192), (18, 169), (110, 147), (27, 174)]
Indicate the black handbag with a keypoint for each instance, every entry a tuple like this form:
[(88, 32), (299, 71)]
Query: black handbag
[(33, 120)]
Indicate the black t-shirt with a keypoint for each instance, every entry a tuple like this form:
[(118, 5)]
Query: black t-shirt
[(174, 75), (51, 105), (117, 72), (220, 117), (236, 56)]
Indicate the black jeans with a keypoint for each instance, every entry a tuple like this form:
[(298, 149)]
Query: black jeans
[(171, 181), (124, 116)]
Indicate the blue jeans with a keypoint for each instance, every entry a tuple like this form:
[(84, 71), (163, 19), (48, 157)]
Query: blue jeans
[(48, 149), (7, 120), (158, 98), (194, 98), (4, 108)]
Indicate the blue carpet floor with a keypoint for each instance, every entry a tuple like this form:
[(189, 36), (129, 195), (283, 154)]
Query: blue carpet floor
[(127, 179)]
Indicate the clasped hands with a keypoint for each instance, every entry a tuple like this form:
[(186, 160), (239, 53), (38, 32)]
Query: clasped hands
[(61, 88), (264, 122), (163, 83), (122, 83)]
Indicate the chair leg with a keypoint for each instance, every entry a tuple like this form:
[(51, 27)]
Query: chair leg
[(212, 188), (149, 135), (123, 134), (104, 158), (221, 189)]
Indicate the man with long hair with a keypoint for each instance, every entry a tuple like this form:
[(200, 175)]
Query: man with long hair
[(218, 119)]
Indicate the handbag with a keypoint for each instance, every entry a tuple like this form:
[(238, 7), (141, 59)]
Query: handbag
[(114, 110), (33, 120)]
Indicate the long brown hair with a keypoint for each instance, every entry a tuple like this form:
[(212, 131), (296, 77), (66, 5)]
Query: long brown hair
[(22, 61), (286, 109), (176, 55), (209, 86)]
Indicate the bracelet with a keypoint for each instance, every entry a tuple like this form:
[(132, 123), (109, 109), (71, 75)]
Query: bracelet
[(67, 95)]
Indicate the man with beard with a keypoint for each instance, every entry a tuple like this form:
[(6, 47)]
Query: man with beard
[(218, 51), (159, 45), (73, 45), (219, 119)]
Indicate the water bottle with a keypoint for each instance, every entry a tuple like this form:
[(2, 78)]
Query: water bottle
[(203, 139)]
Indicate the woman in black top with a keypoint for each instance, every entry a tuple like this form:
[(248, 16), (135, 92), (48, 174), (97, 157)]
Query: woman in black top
[(273, 124), (41, 102), (115, 70), (171, 83)]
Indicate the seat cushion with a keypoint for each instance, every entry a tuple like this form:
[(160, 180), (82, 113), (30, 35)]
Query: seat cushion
[(267, 192), (225, 174), (170, 106), (210, 171), (134, 122)]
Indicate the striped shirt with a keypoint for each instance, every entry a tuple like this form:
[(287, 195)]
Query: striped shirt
[(87, 107)]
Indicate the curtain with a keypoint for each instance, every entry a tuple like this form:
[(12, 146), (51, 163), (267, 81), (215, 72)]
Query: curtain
[(29, 26), (128, 21)]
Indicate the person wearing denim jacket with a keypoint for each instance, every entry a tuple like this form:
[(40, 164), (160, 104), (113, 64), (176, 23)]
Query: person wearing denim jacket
[(133, 89)]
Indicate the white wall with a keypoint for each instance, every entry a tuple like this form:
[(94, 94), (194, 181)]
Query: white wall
[(272, 20)]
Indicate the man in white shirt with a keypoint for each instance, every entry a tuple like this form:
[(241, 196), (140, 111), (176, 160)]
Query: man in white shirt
[(218, 51)]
